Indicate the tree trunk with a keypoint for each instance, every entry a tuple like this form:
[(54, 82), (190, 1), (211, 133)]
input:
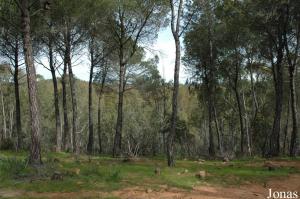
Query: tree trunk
[(294, 136), (248, 136), (35, 149), (99, 124), (170, 138), (220, 142), (286, 126), (277, 70), (91, 124), (4, 116), (175, 27), (17, 98), (75, 133), (238, 100), (65, 108), (210, 111), (56, 100), (275, 136), (118, 136)]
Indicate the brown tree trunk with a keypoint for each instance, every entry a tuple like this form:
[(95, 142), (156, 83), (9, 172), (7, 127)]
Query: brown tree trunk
[(292, 72), (175, 27), (294, 135), (35, 148), (118, 136), (277, 70), (286, 126), (75, 133), (90, 105), (17, 98), (3, 115), (238, 100), (99, 125), (220, 141), (170, 138), (210, 111), (56, 100), (275, 136), (65, 108)]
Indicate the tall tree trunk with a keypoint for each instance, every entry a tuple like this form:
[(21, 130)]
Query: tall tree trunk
[(294, 136), (277, 70), (248, 136), (4, 116), (90, 106), (56, 99), (17, 98), (207, 80), (99, 124), (286, 126), (75, 133), (238, 101), (35, 148), (220, 141), (118, 136), (117, 147), (65, 108), (292, 61), (170, 144), (175, 27), (164, 116), (275, 136)]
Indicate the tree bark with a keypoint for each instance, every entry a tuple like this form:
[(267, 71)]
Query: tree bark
[(292, 72), (99, 125), (75, 133), (238, 100), (56, 99), (90, 144), (278, 82), (294, 136), (35, 148), (4, 116), (277, 70), (118, 136), (17, 98), (220, 141), (68, 62), (286, 126), (65, 108), (210, 111), (175, 27)]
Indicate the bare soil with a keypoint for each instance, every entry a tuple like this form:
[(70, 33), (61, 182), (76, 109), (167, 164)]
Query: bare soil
[(292, 183)]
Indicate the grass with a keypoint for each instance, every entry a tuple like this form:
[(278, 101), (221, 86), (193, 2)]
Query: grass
[(107, 174)]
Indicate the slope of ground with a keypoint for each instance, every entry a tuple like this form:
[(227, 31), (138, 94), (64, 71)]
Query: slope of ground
[(104, 177)]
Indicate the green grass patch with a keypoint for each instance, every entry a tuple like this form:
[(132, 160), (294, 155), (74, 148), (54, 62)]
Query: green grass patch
[(103, 173)]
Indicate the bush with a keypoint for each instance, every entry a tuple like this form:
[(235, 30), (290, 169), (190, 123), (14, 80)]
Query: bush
[(12, 166)]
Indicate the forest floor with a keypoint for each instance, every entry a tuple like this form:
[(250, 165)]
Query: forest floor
[(104, 177)]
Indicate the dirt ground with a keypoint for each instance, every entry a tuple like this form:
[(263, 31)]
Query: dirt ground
[(292, 183), (249, 191)]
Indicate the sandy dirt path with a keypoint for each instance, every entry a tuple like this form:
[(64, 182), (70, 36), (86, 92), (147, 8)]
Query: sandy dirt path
[(292, 183)]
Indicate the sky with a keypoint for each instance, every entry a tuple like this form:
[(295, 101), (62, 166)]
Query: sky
[(163, 47)]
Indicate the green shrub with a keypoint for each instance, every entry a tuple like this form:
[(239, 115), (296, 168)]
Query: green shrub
[(12, 166)]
